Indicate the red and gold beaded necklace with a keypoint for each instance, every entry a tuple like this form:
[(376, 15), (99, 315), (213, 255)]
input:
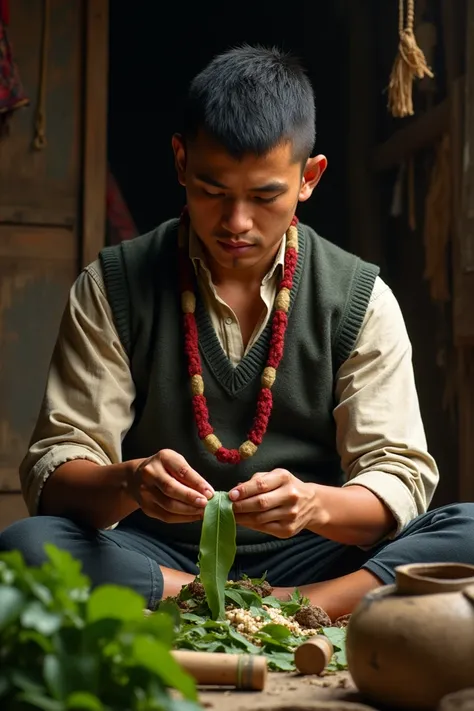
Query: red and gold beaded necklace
[(191, 344)]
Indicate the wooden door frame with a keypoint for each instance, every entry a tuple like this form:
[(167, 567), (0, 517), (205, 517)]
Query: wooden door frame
[(95, 129)]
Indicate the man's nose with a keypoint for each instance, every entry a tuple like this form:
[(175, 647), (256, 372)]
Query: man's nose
[(237, 218)]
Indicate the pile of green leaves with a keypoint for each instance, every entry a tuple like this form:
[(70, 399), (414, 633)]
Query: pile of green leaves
[(203, 626), (63, 647), (196, 630)]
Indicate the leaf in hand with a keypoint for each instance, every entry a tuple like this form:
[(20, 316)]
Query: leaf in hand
[(217, 550)]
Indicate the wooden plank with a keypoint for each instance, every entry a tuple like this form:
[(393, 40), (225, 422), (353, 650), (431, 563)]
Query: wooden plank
[(25, 214), (95, 130), (37, 268), (37, 183), (9, 479), (27, 242), (466, 234), (12, 508), (465, 383), (418, 133)]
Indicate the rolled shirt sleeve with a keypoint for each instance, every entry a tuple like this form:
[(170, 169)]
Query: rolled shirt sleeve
[(88, 404), (380, 435)]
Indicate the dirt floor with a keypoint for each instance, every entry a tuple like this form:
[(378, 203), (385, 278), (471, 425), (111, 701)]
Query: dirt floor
[(291, 692)]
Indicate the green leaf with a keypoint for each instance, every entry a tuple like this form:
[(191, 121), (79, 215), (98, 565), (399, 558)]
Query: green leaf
[(217, 550), (27, 684), (36, 617), (280, 661), (247, 597), (169, 607), (337, 635), (114, 602), (191, 617), (276, 632), (67, 673), (4, 685), (53, 676), (153, 655), (83, 701), (11, 603), (236, 597), (45, 703), (69, 568), (271, 601)]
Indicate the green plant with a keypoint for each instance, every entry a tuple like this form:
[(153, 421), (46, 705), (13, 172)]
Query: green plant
[(196, 630), (217, 550), (63, 647)]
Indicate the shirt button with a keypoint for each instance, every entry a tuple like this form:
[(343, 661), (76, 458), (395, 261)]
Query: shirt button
[(229, 321)]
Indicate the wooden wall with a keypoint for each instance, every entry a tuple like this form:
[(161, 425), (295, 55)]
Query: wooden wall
[(49, 220), (442, 334)]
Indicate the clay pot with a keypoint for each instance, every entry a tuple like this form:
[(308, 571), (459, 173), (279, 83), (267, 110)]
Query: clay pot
[(411, 643)]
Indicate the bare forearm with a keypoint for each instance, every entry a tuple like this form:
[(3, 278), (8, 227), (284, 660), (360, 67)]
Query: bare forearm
[(89, 493), (353, 516)]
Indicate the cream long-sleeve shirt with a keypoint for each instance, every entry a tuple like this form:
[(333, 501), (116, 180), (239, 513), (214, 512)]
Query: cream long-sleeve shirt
[(88, 405)]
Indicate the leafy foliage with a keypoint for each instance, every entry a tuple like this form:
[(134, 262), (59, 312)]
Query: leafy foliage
[(217, 550), (65, 648), (196, 630)]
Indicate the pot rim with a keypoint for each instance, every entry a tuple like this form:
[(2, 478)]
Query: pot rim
[(430, 578), (421, 571)]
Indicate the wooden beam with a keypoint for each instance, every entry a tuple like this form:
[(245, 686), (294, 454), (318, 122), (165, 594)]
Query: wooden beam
[(95, 130), (465, 387), (419, 132)]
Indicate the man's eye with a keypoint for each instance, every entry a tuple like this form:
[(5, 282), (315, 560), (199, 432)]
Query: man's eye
[(267, 201), (212, 195)]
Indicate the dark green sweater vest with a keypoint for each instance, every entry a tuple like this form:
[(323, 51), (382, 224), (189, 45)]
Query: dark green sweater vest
[(331, 292)]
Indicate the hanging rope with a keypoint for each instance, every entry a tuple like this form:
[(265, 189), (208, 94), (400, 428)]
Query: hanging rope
[(39, 141), (410, 63)]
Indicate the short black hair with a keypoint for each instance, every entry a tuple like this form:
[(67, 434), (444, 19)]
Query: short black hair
[(251, 99)]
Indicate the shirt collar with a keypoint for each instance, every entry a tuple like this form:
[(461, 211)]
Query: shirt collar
[(198, 255)]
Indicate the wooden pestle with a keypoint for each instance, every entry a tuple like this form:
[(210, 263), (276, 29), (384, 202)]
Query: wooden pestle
[(244, 671), (313, 656)]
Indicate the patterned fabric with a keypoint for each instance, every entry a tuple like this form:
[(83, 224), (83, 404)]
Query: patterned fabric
[(12, 95)]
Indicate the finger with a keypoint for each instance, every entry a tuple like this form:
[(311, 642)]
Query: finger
[(263, 502), (176, 465), (260, 484), (167, 485), (167, 517), (175, 506), (282, 528), (278, 515)]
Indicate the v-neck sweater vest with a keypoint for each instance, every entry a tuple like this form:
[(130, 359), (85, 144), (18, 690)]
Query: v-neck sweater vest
[(330, 295)]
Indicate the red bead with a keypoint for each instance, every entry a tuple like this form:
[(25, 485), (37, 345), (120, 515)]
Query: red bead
[(228, 456), (191, 346), (201, 415)]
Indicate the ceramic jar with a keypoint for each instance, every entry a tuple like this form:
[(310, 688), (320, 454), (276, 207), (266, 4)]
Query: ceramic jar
[(410, 643)]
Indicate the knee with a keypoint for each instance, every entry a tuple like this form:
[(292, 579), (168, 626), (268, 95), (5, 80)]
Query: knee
[(461, 510), (30, 535)]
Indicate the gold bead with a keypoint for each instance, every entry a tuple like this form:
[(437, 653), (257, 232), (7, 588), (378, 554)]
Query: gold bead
[(282, 301), (268, 377), (292, 237), (197, 385), (188, 302), (212, 443), (247, 449)]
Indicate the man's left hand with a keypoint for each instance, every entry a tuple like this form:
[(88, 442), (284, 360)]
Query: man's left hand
[(277, 503)]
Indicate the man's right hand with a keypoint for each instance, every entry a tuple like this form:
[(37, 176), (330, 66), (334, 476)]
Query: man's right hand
[(167, 488)]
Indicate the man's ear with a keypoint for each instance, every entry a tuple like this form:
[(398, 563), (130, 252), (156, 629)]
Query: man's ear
[(312, 173), (179, 150)]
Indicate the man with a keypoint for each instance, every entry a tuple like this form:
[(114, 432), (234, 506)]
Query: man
[(232, 350)]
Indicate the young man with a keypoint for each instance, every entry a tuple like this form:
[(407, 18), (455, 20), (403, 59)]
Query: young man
[(232, 350)]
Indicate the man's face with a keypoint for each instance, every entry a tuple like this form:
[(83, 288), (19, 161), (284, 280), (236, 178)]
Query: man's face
[(241, 209)]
